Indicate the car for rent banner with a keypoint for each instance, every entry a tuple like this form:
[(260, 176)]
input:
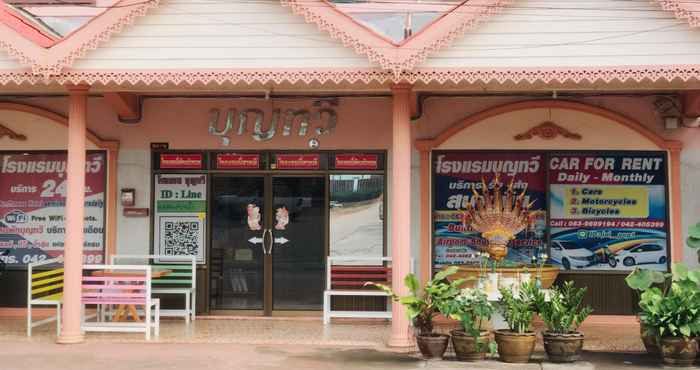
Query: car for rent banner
[(32, 206), (608, 210), (456, 173)]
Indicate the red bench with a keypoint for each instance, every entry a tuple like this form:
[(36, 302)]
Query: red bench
[(346, 279)]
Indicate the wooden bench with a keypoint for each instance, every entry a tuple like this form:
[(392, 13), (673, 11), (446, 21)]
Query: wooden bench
[(346, 279), (120, 285), (181, 281), (44, 288)]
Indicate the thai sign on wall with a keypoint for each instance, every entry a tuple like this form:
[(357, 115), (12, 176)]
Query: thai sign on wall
[(457, 174), (608, 210), (300, 122), (180, 215), (32, 206)]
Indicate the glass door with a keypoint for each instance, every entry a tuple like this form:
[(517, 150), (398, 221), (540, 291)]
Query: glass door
[(237, 257), (267, 242), (298, 242)]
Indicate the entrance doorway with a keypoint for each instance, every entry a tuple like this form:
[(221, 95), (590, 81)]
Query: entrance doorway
[(267, 242)]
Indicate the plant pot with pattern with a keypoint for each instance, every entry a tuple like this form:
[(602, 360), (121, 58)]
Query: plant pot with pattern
[(471, 308), (516, 344), (423, 304), (562, 314), (670, 310)]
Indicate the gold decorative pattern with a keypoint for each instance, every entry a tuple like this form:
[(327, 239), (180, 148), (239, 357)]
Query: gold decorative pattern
[(547, 130), (498, 217), (4, 131)]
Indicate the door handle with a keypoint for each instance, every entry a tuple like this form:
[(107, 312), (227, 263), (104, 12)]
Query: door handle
[(267, 250)]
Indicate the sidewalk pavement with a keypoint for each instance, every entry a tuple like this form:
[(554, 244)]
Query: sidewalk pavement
[(218, 356)]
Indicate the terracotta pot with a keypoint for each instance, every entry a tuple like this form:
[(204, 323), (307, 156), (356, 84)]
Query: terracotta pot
[(466, 347), (651, 342), (432, 345), (514, 347), (679, 351), (471, 273), (563, 347)]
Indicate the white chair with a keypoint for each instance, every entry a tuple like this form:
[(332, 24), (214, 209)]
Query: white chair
[(181, 281), (44, 288)]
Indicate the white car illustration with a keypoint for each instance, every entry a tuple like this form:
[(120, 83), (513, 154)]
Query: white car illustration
[(648, 252), (569, 254)]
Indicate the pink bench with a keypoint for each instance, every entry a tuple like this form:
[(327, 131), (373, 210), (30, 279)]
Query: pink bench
[(116, 285)]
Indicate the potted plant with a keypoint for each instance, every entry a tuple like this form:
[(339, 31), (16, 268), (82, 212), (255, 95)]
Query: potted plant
[(671, 312), (562, 314), (471, 308), (641, 280), (422, 305), (517, 342)]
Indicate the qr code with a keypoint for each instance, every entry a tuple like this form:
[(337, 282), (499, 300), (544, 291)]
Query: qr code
[(181, 238)]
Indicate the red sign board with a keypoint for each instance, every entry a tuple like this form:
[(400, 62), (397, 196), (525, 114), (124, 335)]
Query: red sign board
[(356, 161), (237, 161), (181, 161), (298, 161)]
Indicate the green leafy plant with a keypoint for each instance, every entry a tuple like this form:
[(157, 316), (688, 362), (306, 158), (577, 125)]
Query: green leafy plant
[(564, 312), (519, 309), (670, 302), (471, 308), (423, 304)]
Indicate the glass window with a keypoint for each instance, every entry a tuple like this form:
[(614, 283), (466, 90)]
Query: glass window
[(357, 215)]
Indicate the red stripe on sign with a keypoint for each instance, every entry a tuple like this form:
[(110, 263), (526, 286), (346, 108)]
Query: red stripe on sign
[(356, 161), (231, 161), (298, 161), (181, 161)]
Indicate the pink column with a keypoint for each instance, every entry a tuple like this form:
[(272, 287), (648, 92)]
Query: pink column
[(400, 193), (75, 210)]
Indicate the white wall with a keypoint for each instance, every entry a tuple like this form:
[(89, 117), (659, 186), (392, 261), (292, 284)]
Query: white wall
[(205, 34), (557, 33), (134, 171), (690, 198)]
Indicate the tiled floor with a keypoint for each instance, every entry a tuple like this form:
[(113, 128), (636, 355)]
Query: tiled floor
[(304, 331)]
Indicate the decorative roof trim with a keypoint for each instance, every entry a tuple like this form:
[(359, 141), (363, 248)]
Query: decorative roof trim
[(409, 53), (51, 61), (339, 75), (92, 34), (445, 30), (343, 28), (683, 9)]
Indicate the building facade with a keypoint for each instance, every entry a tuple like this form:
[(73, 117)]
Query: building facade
[(264, 137)]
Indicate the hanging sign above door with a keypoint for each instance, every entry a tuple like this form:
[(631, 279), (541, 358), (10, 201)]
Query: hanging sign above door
[(297, 161), (237, 161)]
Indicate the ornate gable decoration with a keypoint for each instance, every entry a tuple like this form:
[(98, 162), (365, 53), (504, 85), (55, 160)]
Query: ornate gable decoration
[(6, 132), (547, 130)]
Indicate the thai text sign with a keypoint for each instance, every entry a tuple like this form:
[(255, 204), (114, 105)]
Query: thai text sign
[(32, 206), (457, 174), (170, 161), (357, 161), (297, 161), (236, 161), (180, 215), (608, 210)]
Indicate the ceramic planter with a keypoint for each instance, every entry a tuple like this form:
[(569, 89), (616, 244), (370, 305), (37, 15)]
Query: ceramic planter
[(651, 342), (514, 347), (465, 345), (679, 351), (432, 345), (563, 347)]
